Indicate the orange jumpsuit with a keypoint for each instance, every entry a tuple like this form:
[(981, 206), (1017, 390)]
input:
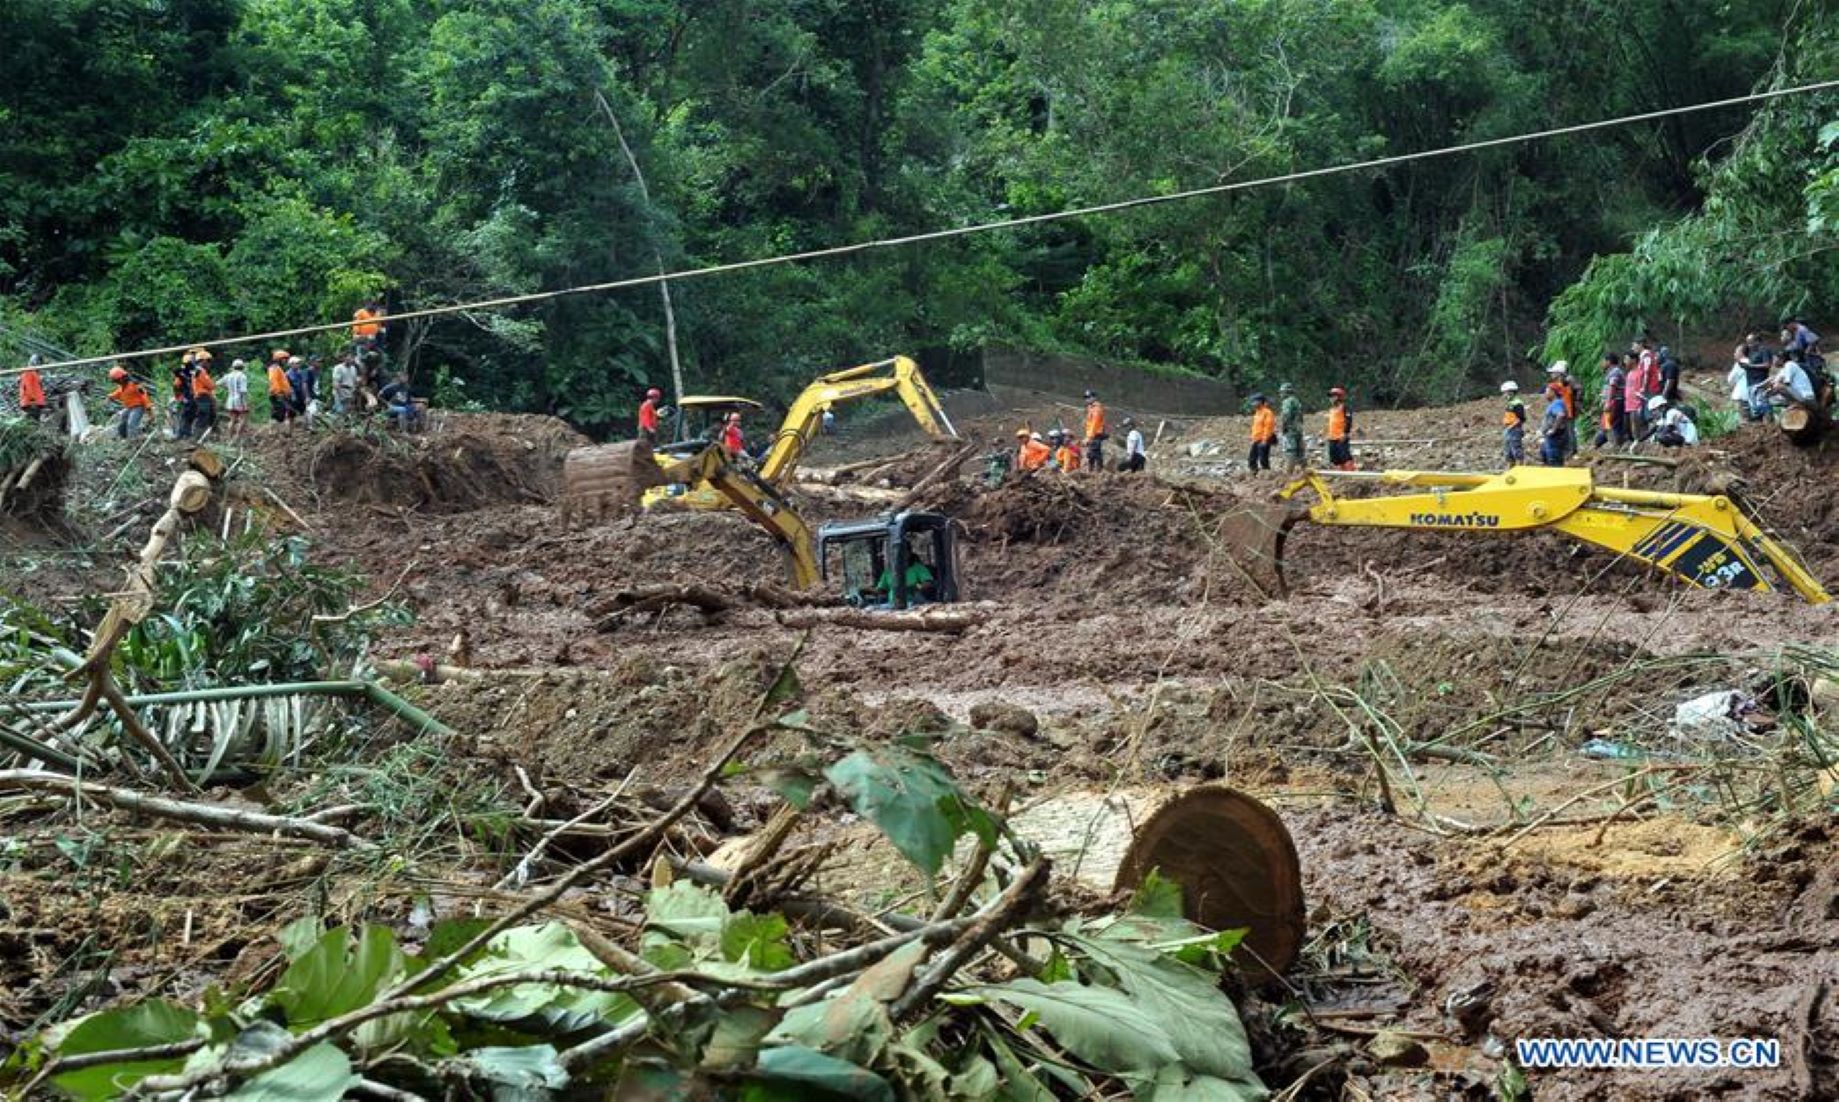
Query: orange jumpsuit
[(1034, 455)]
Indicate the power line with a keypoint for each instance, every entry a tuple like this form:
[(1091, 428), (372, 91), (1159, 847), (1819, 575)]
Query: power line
[(964, 231)]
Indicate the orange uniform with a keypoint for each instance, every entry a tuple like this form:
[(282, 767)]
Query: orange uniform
[(365, 324), (1264, 425), (1095, 420), (1067, 455), (31, 390), (131, 395), (648, 416), (203, 386), (1337, 422), (278, 386), (1035, 454)]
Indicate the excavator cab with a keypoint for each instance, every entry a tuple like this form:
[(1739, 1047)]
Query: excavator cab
[(700, 416), (895, 562)]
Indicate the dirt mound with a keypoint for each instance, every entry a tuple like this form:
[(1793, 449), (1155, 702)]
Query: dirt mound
[(465, 467)]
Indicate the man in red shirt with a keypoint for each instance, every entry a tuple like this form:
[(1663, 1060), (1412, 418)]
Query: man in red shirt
[(732, 440), (648, 417)]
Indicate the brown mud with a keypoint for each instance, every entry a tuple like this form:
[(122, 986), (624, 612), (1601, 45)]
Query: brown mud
[(1144, 649)]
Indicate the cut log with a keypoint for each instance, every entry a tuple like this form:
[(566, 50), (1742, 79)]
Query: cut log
[(950, 620), (943, 472), (1231, 855), (1803, 425)]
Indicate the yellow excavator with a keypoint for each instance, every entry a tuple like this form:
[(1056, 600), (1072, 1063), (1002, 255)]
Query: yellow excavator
[(803, 422), (893, 561), (1707, 540)]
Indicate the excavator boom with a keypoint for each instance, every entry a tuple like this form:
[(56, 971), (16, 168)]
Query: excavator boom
[(1706, 540)]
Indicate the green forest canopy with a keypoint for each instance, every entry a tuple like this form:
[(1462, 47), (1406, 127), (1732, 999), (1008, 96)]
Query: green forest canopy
[(173, 170)]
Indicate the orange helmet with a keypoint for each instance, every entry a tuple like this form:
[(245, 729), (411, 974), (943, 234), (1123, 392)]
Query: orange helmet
[(278, 354), (202, 353), (118, 374)]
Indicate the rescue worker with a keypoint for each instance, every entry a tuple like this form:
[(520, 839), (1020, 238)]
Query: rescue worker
[(733, 442), (1340, 433), (1554, 428), (183, 406), (1095, 432), (1135, 457), (204, 396), (1290, 426), (1560, 375), (236, 398), (1513, 424), (1067, 454), (648, 417), (918, 577), (1615, 416), (367, 326), (280, 390), (135, 404), (1034, 452), (1668, 374), (32, 391), (1264, 433)]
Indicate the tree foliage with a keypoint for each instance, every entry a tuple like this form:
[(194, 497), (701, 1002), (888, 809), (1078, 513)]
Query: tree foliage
[(171, 172)]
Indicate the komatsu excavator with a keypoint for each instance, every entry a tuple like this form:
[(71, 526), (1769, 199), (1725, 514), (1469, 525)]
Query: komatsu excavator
[(803, 422), (1707, 540), (893, 561)]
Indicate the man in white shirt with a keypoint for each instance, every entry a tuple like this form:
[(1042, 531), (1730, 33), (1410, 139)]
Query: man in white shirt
[(1135, 457), (235, 387), (344, 385), (1672, 428), (1791, 383)]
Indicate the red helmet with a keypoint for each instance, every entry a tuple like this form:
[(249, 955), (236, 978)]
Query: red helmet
[(654, 392), (118, 374), (1337, 392)]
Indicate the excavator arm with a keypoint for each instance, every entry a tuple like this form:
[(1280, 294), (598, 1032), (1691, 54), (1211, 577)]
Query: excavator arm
[(757, 500), (1706, 540), (805, 418)]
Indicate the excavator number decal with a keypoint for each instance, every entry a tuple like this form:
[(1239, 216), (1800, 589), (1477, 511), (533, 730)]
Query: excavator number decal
[(1714, 564), (1456, 520)]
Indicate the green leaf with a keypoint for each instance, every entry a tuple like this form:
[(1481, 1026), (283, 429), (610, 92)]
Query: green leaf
[(154, 1022), (758, 941), (819, 1076), (1184, 1002), (849, 1026), (1157, 897), (1178, 1084), (795, 786), (913, 800), (300, 935), (320, 1074), (526, 1073), (565, 1009), (336, 977), (738, 1035), (690, 911), (1018, 1083), (785, 687), (978, 1080), (1100, 1025)]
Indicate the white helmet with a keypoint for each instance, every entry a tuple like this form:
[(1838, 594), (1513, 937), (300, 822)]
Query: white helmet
[(1035, 436), (1656, 404), (1559, 368), (1510, 387)]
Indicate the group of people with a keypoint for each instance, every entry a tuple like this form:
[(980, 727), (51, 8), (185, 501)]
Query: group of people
[(1763, 379), (1285, 425), (294, 387), (1059, 449), (1640, 402)]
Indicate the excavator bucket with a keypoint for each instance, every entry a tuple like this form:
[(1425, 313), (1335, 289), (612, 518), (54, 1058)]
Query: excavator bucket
[(1251, 539), (608, 478)]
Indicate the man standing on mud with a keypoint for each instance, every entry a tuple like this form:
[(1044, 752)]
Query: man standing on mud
[(1095, 432), (1555, 427), (1340, 433), (1264, 434), (1290, 427), (1514, 424), (1135, 457), (648, 417)]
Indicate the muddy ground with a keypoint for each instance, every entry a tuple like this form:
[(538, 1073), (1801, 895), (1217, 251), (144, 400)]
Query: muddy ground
[(1119, 616)]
